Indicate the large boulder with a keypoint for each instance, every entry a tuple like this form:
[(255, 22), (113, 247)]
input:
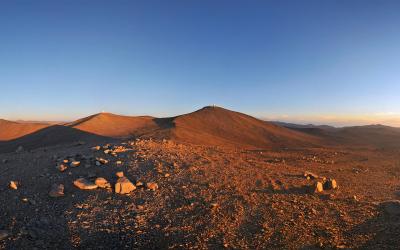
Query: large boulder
[(124, 186), (84, 184)]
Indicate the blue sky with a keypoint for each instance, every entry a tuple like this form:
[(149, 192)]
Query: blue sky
[(333, 62)]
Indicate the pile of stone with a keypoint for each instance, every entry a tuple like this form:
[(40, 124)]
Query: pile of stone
[(321, 183)]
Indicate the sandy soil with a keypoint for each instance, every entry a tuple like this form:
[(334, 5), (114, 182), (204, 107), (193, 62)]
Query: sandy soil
[(208, 198)]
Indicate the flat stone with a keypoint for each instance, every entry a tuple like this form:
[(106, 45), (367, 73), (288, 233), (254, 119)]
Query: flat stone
[(84, 184), (75, 164), (102, 183), (101, 161)]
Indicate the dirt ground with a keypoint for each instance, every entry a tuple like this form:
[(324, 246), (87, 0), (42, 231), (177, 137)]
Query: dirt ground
[(208, 198)]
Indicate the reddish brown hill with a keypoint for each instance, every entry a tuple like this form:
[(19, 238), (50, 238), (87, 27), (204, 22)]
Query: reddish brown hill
[(207, 126), (218, 126), (11, 130), (111, 125)]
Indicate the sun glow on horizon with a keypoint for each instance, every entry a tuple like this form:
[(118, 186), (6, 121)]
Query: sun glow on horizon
[(384, 118)]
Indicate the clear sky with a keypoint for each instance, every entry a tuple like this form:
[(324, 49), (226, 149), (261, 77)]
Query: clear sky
[(335, 62)]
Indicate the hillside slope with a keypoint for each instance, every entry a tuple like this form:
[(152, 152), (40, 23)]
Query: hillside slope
[(377, 136), (219, 126), (11, 130), (111, 125)]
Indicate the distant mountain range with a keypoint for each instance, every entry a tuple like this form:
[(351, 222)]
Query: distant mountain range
[(210, 125)]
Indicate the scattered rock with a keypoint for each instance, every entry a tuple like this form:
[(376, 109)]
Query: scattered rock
[(124, 186), (330, 184), (102, 183), (107, 151), (310, 175), (4, 234), (19, 149), (119, 162), (139, 184), (96, 148), (152, 186), (4, 161), (62, 167), (13, 185), (318, 187), (75, 164), (120, 174), (392, 207), (166, 175), (84, 184), (56, 190), (101, 161)]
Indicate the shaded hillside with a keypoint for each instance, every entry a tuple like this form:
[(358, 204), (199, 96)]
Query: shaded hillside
[(218, 126), (11, 130), (361, 136), (303, 126), (111, 125), (373, 135), (50, 136)]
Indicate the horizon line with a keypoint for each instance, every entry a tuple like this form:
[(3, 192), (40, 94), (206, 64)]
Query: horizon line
[(390, 119)]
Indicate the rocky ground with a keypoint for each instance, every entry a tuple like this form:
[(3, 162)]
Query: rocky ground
[(160, 194)]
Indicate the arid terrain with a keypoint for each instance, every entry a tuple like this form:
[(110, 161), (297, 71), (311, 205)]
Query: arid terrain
[(211, 179)]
